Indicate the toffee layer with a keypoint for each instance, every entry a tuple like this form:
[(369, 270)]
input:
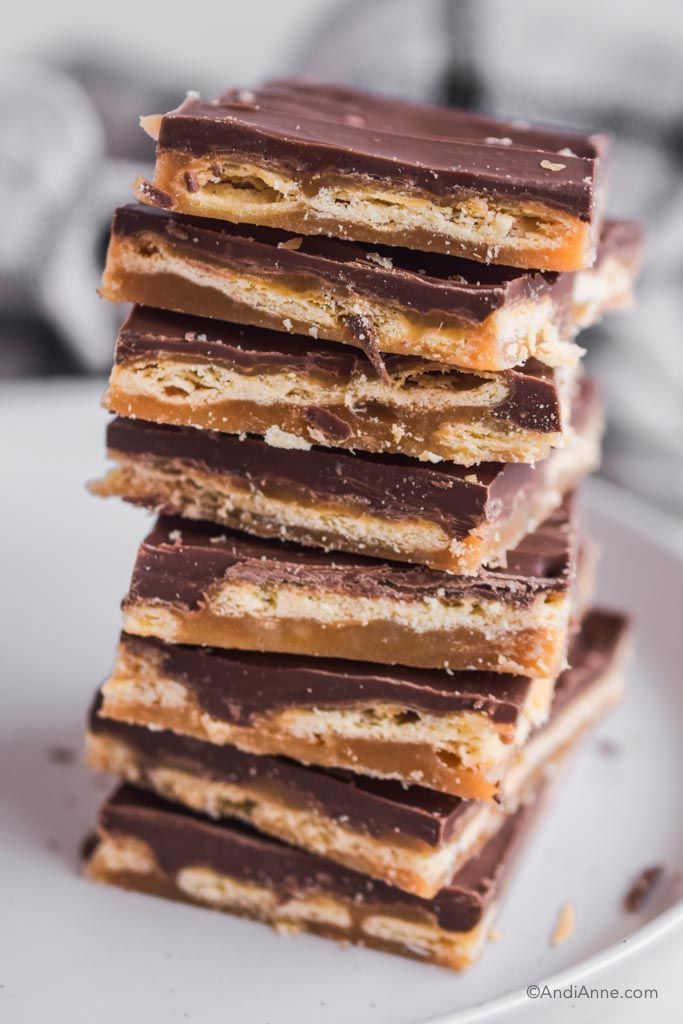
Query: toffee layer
[(335, 161), (195, 583), (152, 846), (445, 517), (409, 836), (396, 301)]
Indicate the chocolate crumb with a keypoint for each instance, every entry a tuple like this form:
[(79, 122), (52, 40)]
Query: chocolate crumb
[(363, 331), (61, 755), (146, 190), (89, 845), (608, 748), (641, 889), (191, 181), (330, 425)]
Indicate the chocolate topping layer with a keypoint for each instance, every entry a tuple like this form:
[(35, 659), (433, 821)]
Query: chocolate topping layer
[(377, 806), (181, 839), (314, 130), (397, 487), (532, 403), (180, 560)]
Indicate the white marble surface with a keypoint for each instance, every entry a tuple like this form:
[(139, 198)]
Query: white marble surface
[(73, 952)]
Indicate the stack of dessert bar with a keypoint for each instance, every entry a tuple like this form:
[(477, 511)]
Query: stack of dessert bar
[(359, 638)]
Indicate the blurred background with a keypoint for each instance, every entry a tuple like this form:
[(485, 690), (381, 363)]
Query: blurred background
[(77, 77)]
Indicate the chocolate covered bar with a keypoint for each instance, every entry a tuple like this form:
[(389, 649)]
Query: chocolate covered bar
[(196, 583), (152, 846), (455, 733), (331, 160), (192, 372), (450, 311), (408, 836), (446, 517)]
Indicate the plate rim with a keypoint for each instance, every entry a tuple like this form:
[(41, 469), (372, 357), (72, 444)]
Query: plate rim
[(638, 516)]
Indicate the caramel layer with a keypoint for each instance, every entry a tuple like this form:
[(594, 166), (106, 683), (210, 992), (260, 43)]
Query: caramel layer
[(519, 641)]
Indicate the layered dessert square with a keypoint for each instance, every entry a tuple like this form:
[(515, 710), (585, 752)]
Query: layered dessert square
[(196, 583), (295, 390), (331, 160), (443, 516)]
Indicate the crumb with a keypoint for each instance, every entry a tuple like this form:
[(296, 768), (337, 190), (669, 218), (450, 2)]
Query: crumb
[(281, 439), (493, 141), (471, 478), (427, 456), (287, 928), (287, 324), (61, 755), (175, 536), (495, 935), (313, 331), (382, 261), (565, 926), (291, 243), (363, 330), (190, 336), (641, 889), (191, 181), (246, 96), (220, 539), (88, 846), (550, 166), (155, 195), (566, 152), (608, 748)]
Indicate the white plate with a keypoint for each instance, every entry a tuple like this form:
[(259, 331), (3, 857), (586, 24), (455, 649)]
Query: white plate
[(77, 952)]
